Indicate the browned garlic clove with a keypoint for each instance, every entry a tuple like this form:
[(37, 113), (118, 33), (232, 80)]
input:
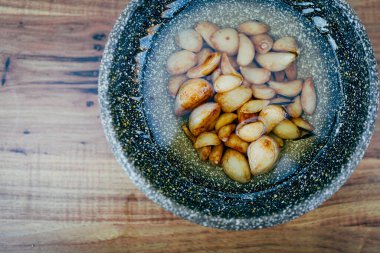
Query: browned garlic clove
[(236, 143), (203, 55), (191, 94), (226, 131), (225, 119), (216, 155), (254, 106), (207, 139), (203, 117), (232, 100), (271, 116), (263, 154), (206, 68)]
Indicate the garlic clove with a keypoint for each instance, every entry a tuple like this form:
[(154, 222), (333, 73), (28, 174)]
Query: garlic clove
[(190, 40), (206, 68), (246, 52), (180, 62), (275, 61), (191, 94), (202, 117)]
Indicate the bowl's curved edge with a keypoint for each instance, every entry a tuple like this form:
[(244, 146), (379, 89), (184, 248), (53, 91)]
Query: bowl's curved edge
[(217, 222)]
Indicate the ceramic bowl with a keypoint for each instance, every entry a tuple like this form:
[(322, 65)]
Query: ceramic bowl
[(147, 140)]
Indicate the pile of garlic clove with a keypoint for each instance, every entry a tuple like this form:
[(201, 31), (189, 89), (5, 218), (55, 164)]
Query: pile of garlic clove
[(243, 95)]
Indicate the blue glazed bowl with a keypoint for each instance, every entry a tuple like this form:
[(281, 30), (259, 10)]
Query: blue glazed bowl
[(146, 138)]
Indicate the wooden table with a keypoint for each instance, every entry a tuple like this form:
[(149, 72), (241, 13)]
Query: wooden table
[(61, 189)]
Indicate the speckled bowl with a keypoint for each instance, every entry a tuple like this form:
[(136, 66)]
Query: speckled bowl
[(146, 139)]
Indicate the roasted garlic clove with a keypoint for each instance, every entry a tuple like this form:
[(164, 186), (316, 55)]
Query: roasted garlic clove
[(190, 40), (207, 139), (287, 130), (206, 30), (275, 61), (303, 123), (309, 96), (246, 52), (191, 94), (254, 106), (203, 55), (263, 92), (236, 143), (225, 119), (295, 109), (204, 153), (255, 75), (252, 28), (263, 154), (206, 68), (232, 100), (226, 131), (180, 62), (226, 41), (216, 155), (188, 133), (243, 117), (203, 117), (287, 89), (226, 83), (175, 83), (236, 166), (271, 116), (251, 131), (263, 43), (286, 44)]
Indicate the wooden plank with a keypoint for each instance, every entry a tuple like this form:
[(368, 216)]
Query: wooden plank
[(61, 189)]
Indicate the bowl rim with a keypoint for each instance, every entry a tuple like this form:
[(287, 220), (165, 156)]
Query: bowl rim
[(283, 216)]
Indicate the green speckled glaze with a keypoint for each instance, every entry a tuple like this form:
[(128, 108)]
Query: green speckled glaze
[(169, 179)]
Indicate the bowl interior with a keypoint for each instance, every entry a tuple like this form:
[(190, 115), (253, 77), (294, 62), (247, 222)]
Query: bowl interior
[(147, 140), (317, 59)]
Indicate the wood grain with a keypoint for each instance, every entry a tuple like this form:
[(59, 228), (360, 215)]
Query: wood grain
[(60, 187)]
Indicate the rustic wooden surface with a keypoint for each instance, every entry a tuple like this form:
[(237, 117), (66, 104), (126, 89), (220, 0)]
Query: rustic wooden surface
[(60, 187)]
